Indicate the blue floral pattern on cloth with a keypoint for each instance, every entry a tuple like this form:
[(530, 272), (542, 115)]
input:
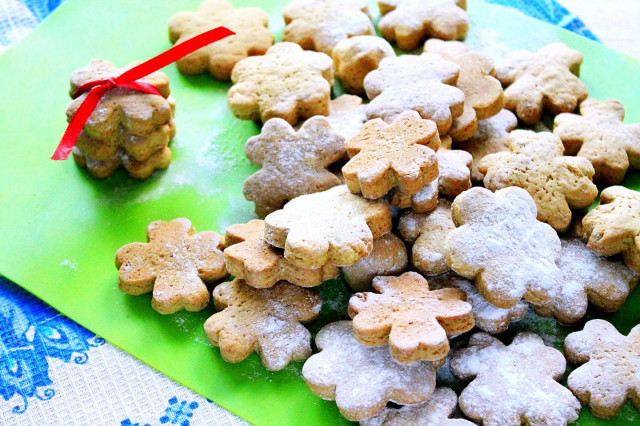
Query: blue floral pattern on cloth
[(177, 413)]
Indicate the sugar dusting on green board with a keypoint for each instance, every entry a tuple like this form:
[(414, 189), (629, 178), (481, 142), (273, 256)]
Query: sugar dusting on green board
[(60, 229)]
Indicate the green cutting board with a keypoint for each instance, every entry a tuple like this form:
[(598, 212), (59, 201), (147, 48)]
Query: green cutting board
[(60, 229)]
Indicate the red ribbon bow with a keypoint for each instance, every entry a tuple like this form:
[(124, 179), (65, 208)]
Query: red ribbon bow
[(127, 79)]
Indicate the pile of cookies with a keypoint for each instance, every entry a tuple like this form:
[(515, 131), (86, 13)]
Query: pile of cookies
[(441, 216)]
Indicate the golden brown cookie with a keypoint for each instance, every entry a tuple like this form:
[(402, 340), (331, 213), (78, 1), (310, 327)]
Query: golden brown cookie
[(362, 379), (293, 163), (454, 171), (355, 57), (409, 22), (500, 244), (175, 264), (414, 321), (422, 202), (265, 320), (614, 226), (386, 156), (321, 24), (286, 83), (333, 226), (610, 374), (249, 257), (127, 127), (536, 163), (515, 384), (545, 80), (388, 257), (599, 135), (252, 37)]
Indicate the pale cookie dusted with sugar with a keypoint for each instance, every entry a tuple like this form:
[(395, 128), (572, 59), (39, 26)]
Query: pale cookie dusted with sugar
[(435, 412), (286, 83), (491, 137), (175, 264), (486, 317), (333, 226), (412, 319), (397, 155), (545, 80), (347, 115), (423, 202), (266, 320), (614, 226), (321, 24), (515, 384), (610, 373), (428, 232), (388, 257), (454, 171), (501, 245), (536, 163), (252, 37), (409, 22), (355, 57), (599, 135), (249, 257), (293, 163), (362, 379)]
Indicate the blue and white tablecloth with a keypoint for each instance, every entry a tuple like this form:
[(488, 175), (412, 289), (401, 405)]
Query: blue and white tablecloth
[(53, 371)]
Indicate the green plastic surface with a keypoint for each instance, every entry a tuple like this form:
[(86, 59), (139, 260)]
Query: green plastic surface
[(60, 229)]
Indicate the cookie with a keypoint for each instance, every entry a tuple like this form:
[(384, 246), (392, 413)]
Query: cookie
[(514, 384), (614, 226), (536, 163), (388, 257), (409, 22), (293, 163), (599, 135), (252, 37), (486, 317), (397, 155), (412, 319), (454, 171), (249, 257), (422, 202), (589, 278), (347, 115), (321, 24), (610, 373), (362, 379), (545, 80), (286, 83), (333, 226), (491, 137), (127, 128), (355, 57), (427, 232), (501, 245), (265, 320), (175, 264), (437, 412)]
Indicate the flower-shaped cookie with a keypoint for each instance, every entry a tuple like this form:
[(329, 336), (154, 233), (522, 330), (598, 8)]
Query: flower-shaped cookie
[(386, 156), (536, 163), (287, 83), (423, 202), (321, 24), (175, 264), (265, 320), (611, 371), (355, 57), (362, 379), (347, 115), (409, 22), (513, 384), (454, 171), (293, 163), (252, 37), (614, 226), (249, 257), (412, 319), (546, 79), (599, 135), (500, 244), (332, 226)]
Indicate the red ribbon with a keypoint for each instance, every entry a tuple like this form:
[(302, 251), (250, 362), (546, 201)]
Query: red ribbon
[(127, 79)]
